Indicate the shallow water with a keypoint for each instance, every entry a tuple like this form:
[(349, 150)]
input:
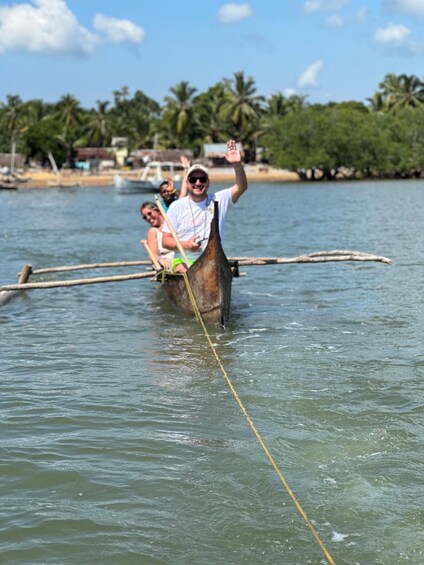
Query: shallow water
[(120, 439)]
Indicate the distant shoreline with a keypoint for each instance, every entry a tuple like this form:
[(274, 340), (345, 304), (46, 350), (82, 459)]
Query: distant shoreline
[(48, 179)]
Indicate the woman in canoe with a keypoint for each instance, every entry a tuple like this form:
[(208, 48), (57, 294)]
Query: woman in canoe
[(151, 214)]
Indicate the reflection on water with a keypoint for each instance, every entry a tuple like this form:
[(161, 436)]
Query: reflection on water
[(121, 442)]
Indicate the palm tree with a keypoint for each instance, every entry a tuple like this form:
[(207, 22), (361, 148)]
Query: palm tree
[(13, 119), (135, 117), (40, 128), (276, 108), (69, 111), (243, 108), (121, 95), (296, 102), (376, 102), (402, 91), (209, 116), (276, 105), (100, 125), (69, 114), (179, 114), (69, 139)]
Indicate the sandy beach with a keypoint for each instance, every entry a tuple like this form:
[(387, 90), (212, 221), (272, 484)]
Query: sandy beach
[(44, 179)]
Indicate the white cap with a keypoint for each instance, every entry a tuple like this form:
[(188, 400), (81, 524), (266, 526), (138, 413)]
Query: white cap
[(197, 167)]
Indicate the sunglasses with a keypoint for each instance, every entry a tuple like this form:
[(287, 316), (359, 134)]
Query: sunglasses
[(148, 214), (192, 180)]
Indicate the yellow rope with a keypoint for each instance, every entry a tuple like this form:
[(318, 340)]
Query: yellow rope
[(251, 424)]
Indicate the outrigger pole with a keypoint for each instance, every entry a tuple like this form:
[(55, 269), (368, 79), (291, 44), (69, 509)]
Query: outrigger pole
[(9, 291), (153, 259), (317, 257), (23, 276)]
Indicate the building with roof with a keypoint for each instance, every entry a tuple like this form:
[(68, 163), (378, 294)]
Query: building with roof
[(140, 157), (6, 160), (95, 158)]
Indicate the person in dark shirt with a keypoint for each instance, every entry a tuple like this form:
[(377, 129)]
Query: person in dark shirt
[(168, 193), (167, 190)]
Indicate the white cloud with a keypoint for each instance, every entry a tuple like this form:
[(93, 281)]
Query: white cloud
[(322, 5), (412, 7), (118, 31), (334, 21), (45, 26), (311, 6), (394, 35), (289, 92), (230, 13), (309, 77), (49, 27), (362, 15)]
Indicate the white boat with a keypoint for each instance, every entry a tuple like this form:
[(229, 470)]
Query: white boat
[(153, 175)]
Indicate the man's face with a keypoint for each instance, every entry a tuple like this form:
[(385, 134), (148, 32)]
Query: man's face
[(198, 184)]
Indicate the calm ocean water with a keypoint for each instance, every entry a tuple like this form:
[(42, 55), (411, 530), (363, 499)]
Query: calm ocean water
[(120, 440)]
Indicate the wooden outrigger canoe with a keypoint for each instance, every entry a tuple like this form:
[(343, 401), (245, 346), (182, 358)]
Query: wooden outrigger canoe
[(210, 278)]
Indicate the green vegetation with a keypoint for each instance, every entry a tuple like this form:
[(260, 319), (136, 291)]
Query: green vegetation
[(338, 140)]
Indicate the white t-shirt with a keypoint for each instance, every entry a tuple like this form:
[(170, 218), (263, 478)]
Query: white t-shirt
[(190, 218)]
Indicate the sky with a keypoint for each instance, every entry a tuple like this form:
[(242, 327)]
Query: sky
[(327, 50)]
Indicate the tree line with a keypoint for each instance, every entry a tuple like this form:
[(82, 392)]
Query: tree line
[(382, 138)]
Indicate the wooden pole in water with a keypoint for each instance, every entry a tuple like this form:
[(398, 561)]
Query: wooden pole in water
[(23, 276), (78, 282), (153, 259), (89, 266), (320, 257)]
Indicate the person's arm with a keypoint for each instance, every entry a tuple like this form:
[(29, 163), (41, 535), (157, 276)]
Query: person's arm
[(233, 156), (169, 242), (152, 242), (186, 165)]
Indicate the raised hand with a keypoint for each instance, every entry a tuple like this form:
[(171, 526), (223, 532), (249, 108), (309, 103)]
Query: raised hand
[(184, 161), (171, 185), (232, 155)]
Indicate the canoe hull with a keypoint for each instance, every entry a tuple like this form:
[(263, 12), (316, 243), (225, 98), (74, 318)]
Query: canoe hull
[(210, 279)]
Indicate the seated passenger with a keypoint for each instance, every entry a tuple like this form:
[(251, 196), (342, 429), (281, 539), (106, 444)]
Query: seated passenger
[(167, 189), (168, 193), (151, 214), (191, 216)]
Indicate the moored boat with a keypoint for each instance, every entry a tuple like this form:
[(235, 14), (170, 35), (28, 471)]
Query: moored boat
[(153, 175), (8, 185), (130, 186), (210, 279), (9, 181), (62, 184)]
